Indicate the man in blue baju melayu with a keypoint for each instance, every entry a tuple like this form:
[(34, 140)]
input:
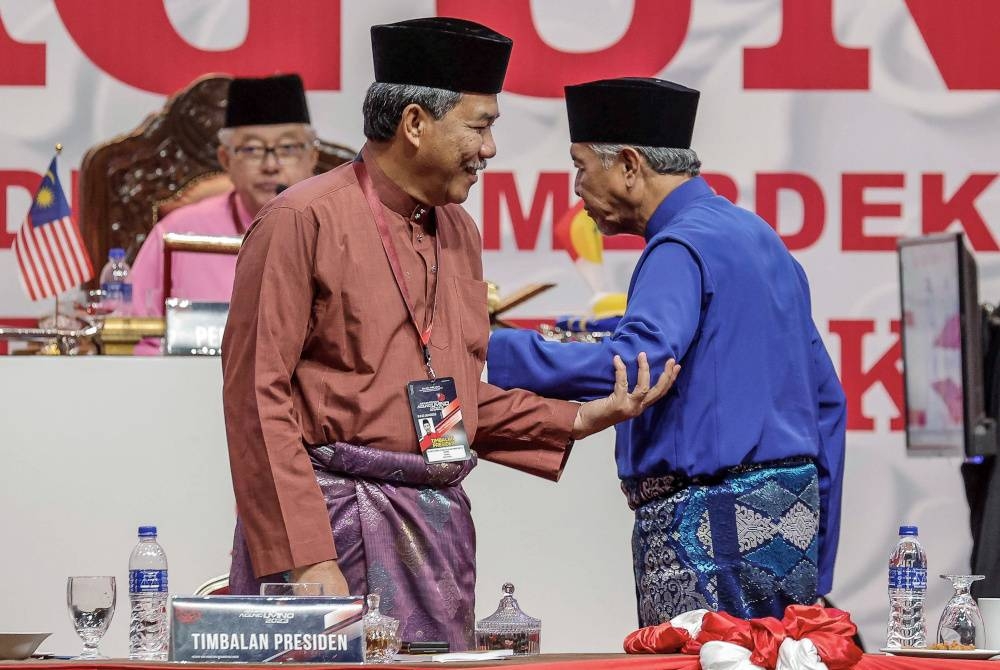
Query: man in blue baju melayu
[(735, 476)]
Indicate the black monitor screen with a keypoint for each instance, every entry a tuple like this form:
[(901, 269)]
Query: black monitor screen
[(942, 348)]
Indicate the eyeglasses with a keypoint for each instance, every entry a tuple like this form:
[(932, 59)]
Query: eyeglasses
[(285, 153)]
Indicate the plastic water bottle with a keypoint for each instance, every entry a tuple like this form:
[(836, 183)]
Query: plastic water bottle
[(116, 284), (147, 592), (907, 589)]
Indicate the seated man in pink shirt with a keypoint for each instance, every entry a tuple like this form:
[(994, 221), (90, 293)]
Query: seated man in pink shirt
[(266, 144)]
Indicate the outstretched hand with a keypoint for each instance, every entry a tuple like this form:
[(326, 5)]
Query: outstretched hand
[(327, 573), (596, 415)]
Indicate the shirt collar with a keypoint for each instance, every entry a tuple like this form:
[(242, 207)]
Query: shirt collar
[(390, 193), (242, 214), (678, 199)]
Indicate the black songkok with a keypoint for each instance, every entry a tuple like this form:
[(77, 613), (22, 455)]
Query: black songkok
[(266, 101), (632, 110), (441, 52)]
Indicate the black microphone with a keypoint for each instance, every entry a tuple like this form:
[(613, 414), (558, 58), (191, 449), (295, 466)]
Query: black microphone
[(279, 188)]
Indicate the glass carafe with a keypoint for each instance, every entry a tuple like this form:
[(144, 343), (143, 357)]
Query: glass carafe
[(381, 633)]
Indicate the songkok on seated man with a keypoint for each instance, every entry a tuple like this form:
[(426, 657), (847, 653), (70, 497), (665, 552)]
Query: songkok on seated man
[(266, 143), (267, 101)]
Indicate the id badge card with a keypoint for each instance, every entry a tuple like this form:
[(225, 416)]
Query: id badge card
[(437, 418)]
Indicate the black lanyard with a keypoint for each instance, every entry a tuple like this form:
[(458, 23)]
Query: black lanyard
[(375, 205)]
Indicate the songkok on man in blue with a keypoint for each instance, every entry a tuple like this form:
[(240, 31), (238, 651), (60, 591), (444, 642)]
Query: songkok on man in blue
[(632, 110)]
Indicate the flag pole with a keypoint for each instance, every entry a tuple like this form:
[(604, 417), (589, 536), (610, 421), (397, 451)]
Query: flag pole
[(56, 323)]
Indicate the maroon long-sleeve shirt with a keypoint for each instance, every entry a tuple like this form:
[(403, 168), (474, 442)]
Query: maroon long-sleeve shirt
[(319, 346)]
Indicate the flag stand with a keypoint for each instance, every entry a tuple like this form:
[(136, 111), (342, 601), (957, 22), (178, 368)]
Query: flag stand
[(55, 323), (51, 257)]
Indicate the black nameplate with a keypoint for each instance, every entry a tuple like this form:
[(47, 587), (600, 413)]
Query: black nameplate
[(195, 328), (260, 629)]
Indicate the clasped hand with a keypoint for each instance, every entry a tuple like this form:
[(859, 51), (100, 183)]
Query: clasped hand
[(596, 415)]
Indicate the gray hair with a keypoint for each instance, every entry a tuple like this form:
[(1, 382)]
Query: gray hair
[(384, 105), (661, 160), (225, 135)]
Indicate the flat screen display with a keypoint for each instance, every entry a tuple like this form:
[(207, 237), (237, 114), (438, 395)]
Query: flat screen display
[(943, 359), (930, 276)]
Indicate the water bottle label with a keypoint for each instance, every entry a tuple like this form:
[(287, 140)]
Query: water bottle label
[(118, 290), (147, 581), (908, 578)]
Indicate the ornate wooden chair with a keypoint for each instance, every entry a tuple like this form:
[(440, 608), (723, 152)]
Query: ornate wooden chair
[(169, 160)]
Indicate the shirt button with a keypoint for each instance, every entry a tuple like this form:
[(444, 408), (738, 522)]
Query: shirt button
[(434, 268)]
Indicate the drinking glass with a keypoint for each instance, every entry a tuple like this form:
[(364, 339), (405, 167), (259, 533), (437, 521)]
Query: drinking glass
[(961, 621), (91, 602), (285, 589), (92, 303)]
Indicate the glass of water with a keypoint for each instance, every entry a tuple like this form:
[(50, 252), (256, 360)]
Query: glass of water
[(91, 602), (961, 622)]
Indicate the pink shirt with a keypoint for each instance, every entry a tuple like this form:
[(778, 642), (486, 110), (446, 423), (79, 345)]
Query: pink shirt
[(195, 276)]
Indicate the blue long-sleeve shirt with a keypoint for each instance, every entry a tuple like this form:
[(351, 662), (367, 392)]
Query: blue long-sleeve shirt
[(716, 289)]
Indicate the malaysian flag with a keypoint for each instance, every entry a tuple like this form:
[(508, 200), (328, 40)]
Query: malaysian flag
[(49, 249)]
